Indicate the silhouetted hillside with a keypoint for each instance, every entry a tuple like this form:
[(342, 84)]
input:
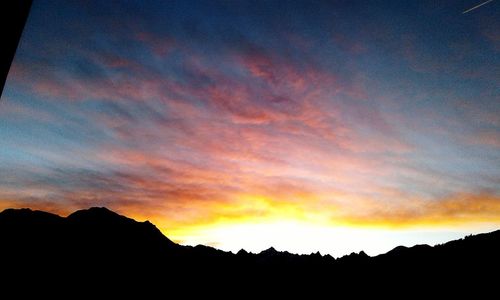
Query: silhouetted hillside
[(98, 248)]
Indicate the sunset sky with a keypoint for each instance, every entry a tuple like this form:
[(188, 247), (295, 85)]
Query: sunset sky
[(333, 126)]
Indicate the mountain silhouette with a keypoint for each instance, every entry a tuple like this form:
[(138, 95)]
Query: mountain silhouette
[(97, 249)]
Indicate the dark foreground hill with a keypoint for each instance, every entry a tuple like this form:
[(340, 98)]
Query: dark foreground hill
[(97, 249)]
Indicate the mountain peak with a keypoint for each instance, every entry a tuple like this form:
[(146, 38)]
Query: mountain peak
[(98, 215), (27, 213), (16, 210), (242, 252), (95, 211), (103, 217), (270, 251)]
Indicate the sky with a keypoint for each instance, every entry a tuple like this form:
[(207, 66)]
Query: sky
[(331, 126)]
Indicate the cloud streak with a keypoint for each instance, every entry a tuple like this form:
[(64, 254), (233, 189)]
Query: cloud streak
[(476, 7)]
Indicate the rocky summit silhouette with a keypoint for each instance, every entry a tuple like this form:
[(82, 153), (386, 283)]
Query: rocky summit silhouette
[(98, 249)]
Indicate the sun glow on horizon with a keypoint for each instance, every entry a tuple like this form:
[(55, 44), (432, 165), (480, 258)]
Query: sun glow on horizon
[(257, 222), (304, 237)]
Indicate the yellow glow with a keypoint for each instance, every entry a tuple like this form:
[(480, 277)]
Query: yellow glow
[(302, 222), (256, 222), (302, 237)]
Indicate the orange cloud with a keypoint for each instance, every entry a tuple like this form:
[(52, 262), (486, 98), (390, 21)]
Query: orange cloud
[(456, 209), (485, 138)]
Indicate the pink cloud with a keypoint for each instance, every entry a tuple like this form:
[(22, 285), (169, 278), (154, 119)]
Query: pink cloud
[(489, 138)]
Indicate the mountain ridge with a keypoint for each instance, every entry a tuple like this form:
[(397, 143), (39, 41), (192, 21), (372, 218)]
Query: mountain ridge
[(104, 214), (107, 245)]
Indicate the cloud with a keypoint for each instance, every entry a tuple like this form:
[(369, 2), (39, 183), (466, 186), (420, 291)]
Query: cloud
[(490, 138), (177, 117), (482, 207)]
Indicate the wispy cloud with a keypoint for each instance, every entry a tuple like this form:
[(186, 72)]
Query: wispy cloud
[(190, 121)]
